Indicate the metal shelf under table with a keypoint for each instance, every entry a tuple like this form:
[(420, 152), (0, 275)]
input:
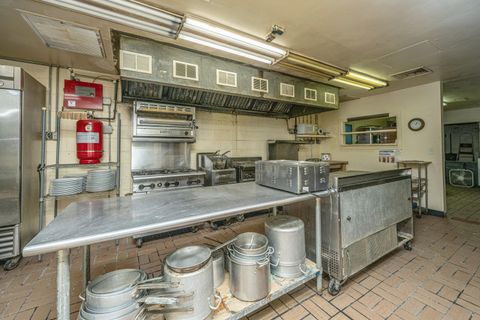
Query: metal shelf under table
[(234, 309)]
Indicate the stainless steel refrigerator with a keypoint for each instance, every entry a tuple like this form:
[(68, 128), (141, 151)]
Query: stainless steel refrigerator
[(21, 101)]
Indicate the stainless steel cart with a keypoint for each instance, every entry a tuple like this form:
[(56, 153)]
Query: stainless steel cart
[(368, 215)]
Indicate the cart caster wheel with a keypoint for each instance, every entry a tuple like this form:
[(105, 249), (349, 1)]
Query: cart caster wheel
[(139, 243), (334, 287), (195, 229), (241, 218), (11, 264), (418, 215), (408, 246), (214, 225)]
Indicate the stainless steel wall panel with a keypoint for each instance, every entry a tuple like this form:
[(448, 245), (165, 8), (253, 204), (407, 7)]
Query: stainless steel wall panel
[(366, 211), (160, 155), (33, 100)]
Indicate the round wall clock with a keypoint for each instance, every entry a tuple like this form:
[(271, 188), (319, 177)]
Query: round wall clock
[(416, 124)]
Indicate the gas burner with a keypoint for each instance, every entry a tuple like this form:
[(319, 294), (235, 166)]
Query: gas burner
[(152, 172)]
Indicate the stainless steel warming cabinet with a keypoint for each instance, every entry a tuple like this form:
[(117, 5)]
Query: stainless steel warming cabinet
[(367, 215)]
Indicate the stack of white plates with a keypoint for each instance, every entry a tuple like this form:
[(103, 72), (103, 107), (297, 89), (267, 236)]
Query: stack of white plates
[(79, 175), (66, 186), (100, 180)]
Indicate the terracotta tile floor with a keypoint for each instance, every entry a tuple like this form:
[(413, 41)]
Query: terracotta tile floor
[(439, 279)]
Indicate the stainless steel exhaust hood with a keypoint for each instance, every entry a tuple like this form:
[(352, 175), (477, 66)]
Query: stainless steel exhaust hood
[(158, 72)]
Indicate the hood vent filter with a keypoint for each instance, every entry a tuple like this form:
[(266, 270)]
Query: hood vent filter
[(259, 84), (330, 98), (185, 70), (135, 62), (226, 78), (310, 94), (287, 90)]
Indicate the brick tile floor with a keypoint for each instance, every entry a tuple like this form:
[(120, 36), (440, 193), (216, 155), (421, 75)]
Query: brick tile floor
[(439, 279)]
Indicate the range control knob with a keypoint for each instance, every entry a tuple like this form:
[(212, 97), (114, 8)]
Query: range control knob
[(167, 184), (152, 186), (187, 133), (176, 183), (159, 184), (141, 187)]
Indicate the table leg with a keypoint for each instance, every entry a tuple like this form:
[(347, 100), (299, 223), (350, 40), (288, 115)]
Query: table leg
[(63, 284), (419, 176), (318, 242), (426, 188), (86, 266)]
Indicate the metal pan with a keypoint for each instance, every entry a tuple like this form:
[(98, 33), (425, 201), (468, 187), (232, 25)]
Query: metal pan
[(121, 288)]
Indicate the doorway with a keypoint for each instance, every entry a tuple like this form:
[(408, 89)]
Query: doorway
[(462, 170)]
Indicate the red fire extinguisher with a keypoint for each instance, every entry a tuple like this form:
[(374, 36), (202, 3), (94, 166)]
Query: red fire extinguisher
[(89, 141)]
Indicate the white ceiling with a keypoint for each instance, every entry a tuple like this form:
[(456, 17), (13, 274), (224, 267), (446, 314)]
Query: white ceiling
[(374, 36)]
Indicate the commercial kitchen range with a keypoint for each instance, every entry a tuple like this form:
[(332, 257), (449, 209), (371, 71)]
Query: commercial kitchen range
[(89, 222)]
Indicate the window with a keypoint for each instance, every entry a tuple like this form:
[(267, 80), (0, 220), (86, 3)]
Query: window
[(370, 130)]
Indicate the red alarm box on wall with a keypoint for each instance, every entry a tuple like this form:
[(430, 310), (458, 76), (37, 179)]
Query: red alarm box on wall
[(82, 95)]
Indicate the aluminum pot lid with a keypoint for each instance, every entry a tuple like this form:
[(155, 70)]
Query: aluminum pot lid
[(188, 259), (284, 223), (116, 281)]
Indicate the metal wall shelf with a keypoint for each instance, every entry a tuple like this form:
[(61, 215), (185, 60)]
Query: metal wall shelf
[(84, 166), (70, 196)]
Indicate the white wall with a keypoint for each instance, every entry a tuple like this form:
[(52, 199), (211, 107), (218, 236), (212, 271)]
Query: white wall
[(243, 135), (461, 115), (421, 101)]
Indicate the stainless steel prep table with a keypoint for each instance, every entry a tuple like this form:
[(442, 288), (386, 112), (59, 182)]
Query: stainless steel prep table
[(89, 222)]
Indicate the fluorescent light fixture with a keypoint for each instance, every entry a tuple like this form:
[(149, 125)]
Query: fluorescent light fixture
[(309, 63), (366, 79), (223, 47), (208, 30), (303, 70), (353, 83), (149, 19)]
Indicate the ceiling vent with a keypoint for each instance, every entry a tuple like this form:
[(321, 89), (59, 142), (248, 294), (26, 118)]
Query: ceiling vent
[(184, 70), (330, 98), (287, 90), (66, 36), (310, 94), (226, 78), (135, 62), (416, 72), (259, 84)]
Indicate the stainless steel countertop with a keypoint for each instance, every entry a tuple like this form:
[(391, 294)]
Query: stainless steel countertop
[(89, 222)]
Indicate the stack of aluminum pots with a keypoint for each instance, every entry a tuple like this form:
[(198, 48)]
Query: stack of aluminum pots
[(249, 265), (286, 234)]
